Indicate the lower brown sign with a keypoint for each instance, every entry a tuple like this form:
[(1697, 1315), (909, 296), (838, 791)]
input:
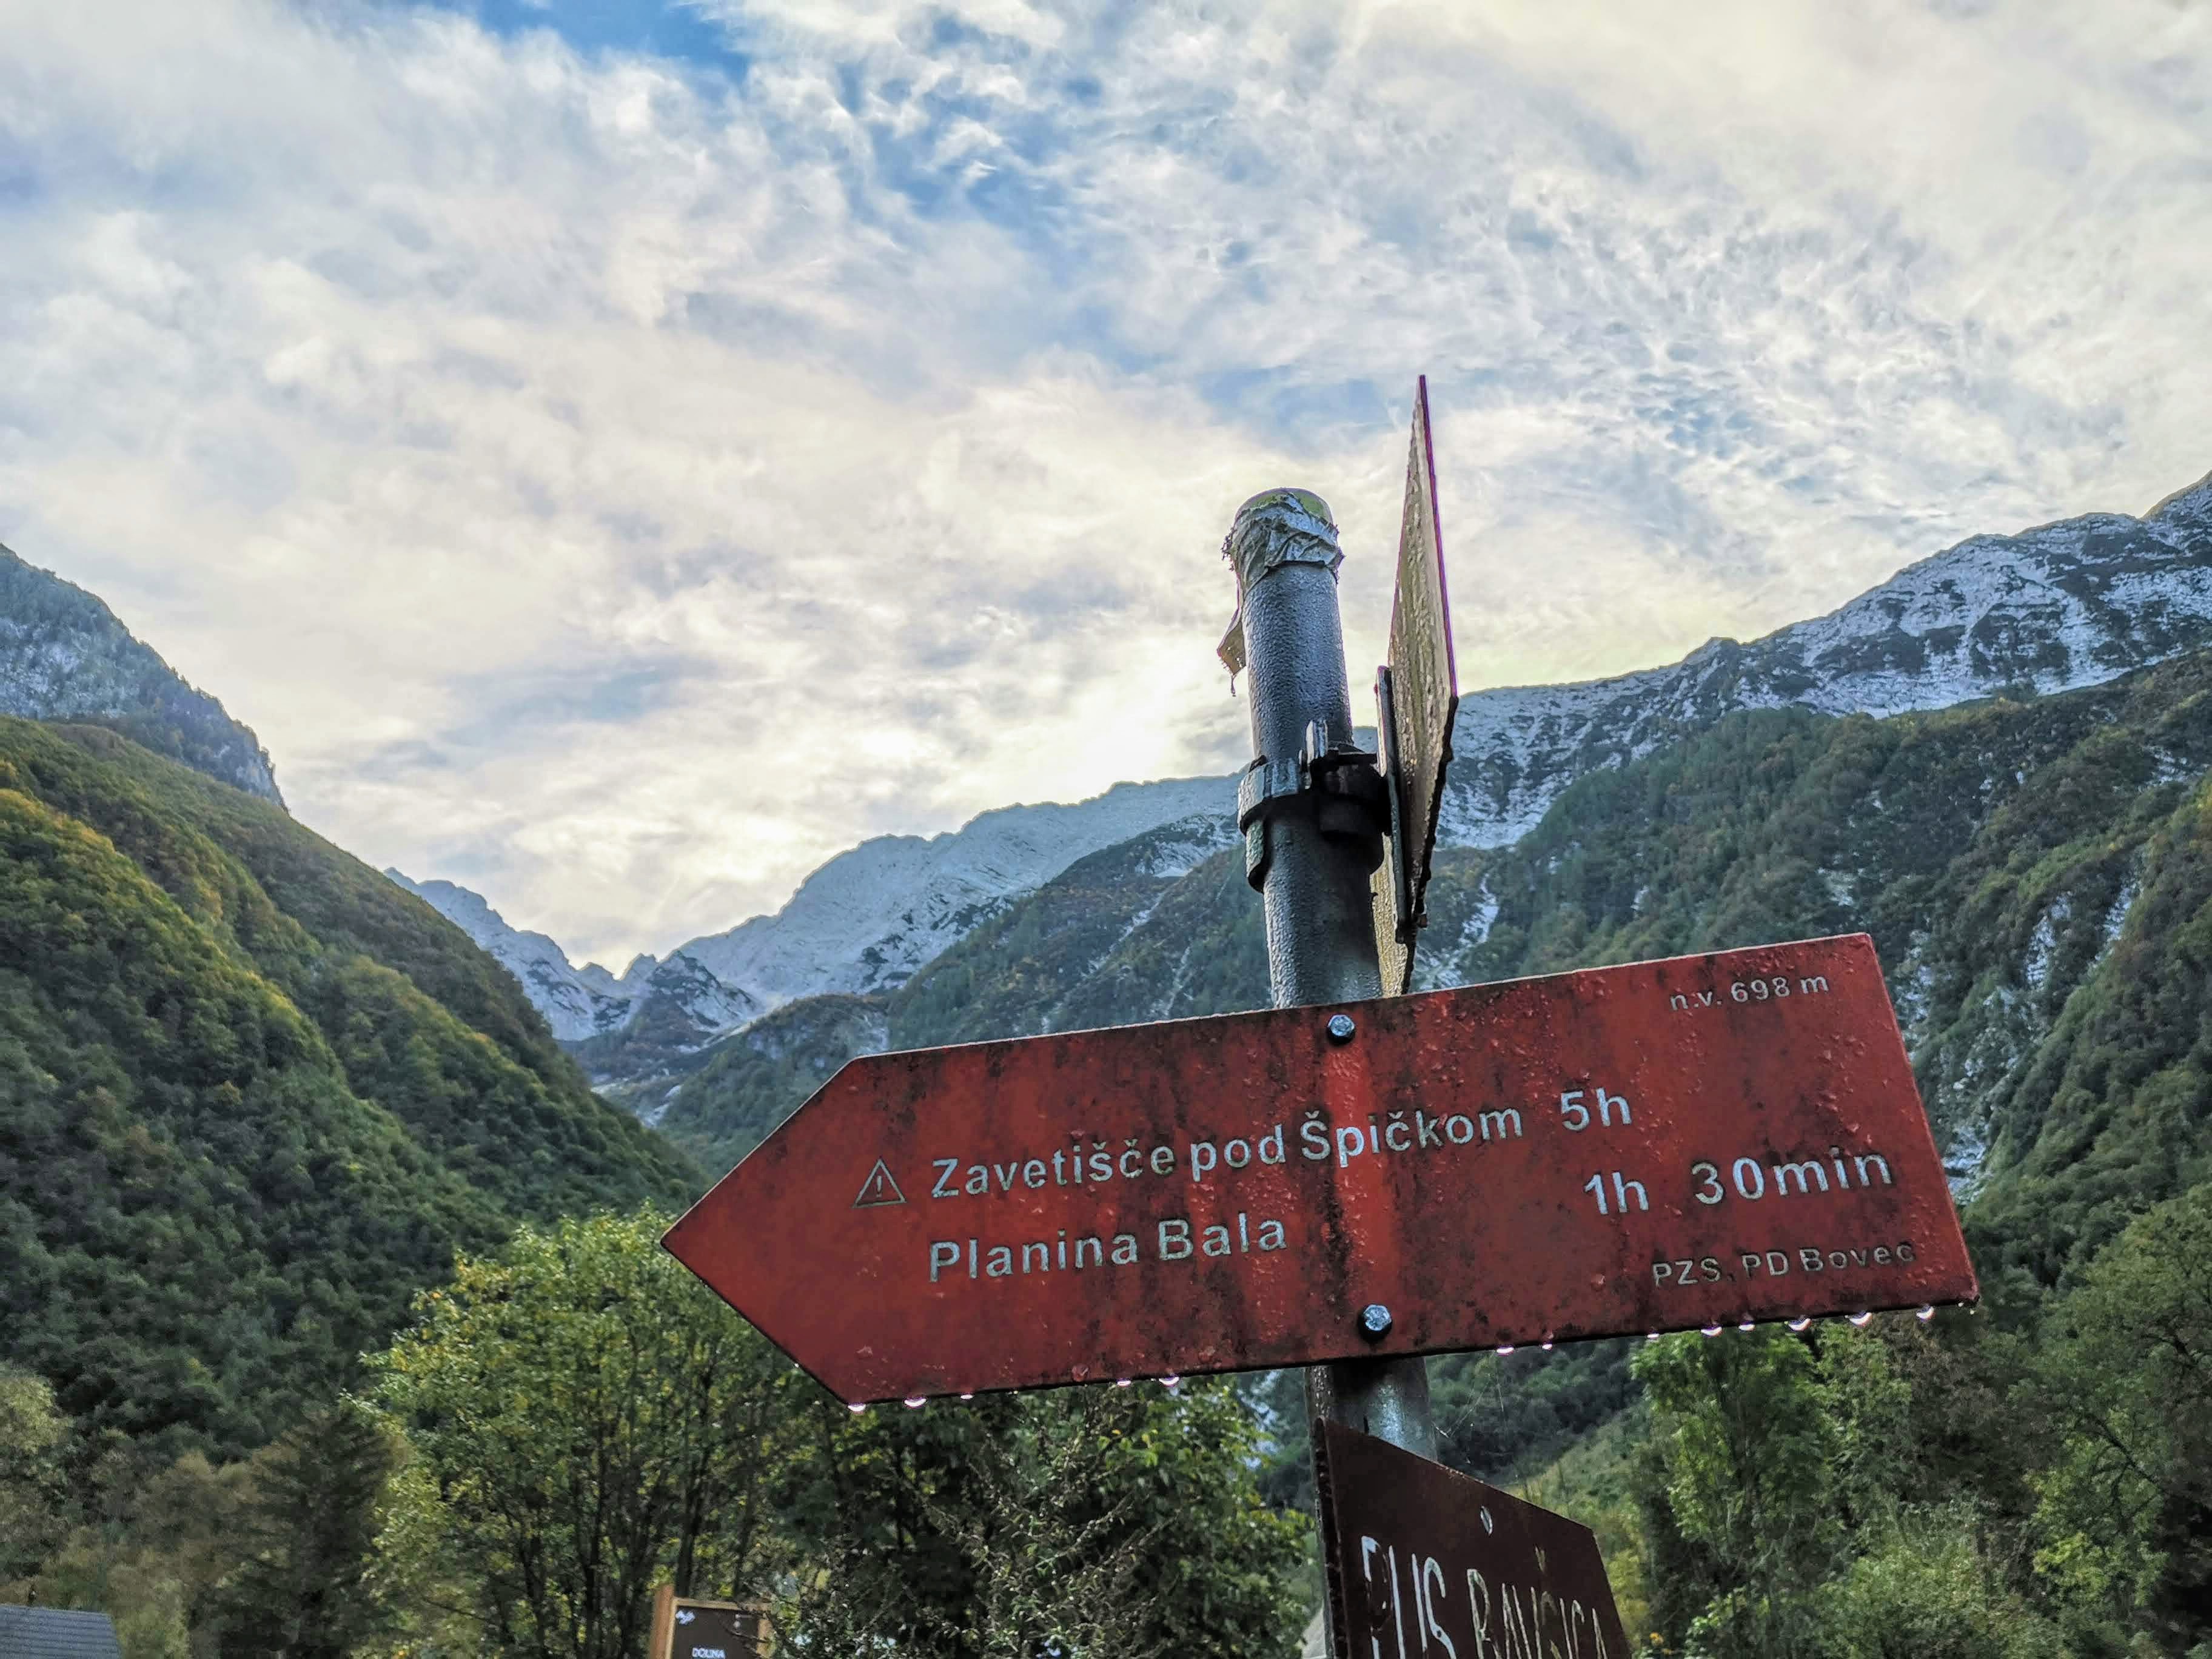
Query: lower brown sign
[(1425, 1563)]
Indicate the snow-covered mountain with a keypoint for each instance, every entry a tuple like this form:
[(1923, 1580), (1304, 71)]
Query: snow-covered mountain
[(869, 918), (865, 920), (587, 1002), (577, 1003), (2066, 604)]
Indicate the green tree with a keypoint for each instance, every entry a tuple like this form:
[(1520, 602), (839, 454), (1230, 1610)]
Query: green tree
[(1929, 1588), (587, 1419), (1038, 1557), (309, 1532), (1744, 1461), (32, 1432), (1120, 1522), (1768, 1451), (2125, 1369), (148, 1545)]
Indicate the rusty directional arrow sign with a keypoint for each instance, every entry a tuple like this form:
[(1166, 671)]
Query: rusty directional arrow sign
[(1700, 1140)]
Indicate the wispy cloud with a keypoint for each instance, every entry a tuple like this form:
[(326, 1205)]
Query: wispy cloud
[(618, 455)]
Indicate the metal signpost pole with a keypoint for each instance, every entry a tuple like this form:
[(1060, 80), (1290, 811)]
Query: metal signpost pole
[(1313, 812)]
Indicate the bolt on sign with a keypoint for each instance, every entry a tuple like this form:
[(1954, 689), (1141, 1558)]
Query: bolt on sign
[(1416, 698), (686, 1628), (1424, 1561), (1703, 1141)]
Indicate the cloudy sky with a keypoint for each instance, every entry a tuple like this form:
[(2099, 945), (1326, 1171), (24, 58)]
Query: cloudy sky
[(618, 454)]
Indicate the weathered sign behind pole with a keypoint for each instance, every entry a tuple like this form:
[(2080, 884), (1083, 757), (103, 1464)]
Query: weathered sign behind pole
[(1313, 813), (1416, 697)]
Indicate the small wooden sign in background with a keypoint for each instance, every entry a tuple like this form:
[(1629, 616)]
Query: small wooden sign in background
[(685, 1629)]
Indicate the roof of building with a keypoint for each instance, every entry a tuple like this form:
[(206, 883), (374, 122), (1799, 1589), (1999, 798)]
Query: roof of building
[(56, 1633)]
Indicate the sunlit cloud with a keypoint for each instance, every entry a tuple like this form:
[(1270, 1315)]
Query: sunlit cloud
[(617, 456)]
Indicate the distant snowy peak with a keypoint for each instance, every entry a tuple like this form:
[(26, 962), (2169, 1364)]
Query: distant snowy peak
[(576, 1005), (580, 1003), (693, 993), (869, 918), (2062, 605), (865, 920)]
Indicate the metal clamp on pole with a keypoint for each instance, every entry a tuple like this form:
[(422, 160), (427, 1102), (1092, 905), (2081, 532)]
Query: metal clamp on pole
[(1338, 783)]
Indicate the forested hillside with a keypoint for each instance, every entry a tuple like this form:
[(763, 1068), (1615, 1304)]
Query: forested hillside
[(2034, 877), (252, 1096)]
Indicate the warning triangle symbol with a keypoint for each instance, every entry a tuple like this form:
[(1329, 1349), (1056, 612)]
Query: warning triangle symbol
[(878, 1188)]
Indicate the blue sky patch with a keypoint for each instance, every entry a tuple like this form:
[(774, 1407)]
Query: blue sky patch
[(647, 27)]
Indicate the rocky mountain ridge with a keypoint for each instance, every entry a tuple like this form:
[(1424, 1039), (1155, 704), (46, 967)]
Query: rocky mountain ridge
[(583, 1003), (64, 655), (865, 921), (868, 918), (2062, 605)]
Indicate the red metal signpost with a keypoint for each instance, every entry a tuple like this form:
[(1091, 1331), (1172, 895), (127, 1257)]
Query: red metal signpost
[(1419, 1557), (1668, 1145)]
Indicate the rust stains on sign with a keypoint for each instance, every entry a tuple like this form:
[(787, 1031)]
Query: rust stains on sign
[(1663, 1145)]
